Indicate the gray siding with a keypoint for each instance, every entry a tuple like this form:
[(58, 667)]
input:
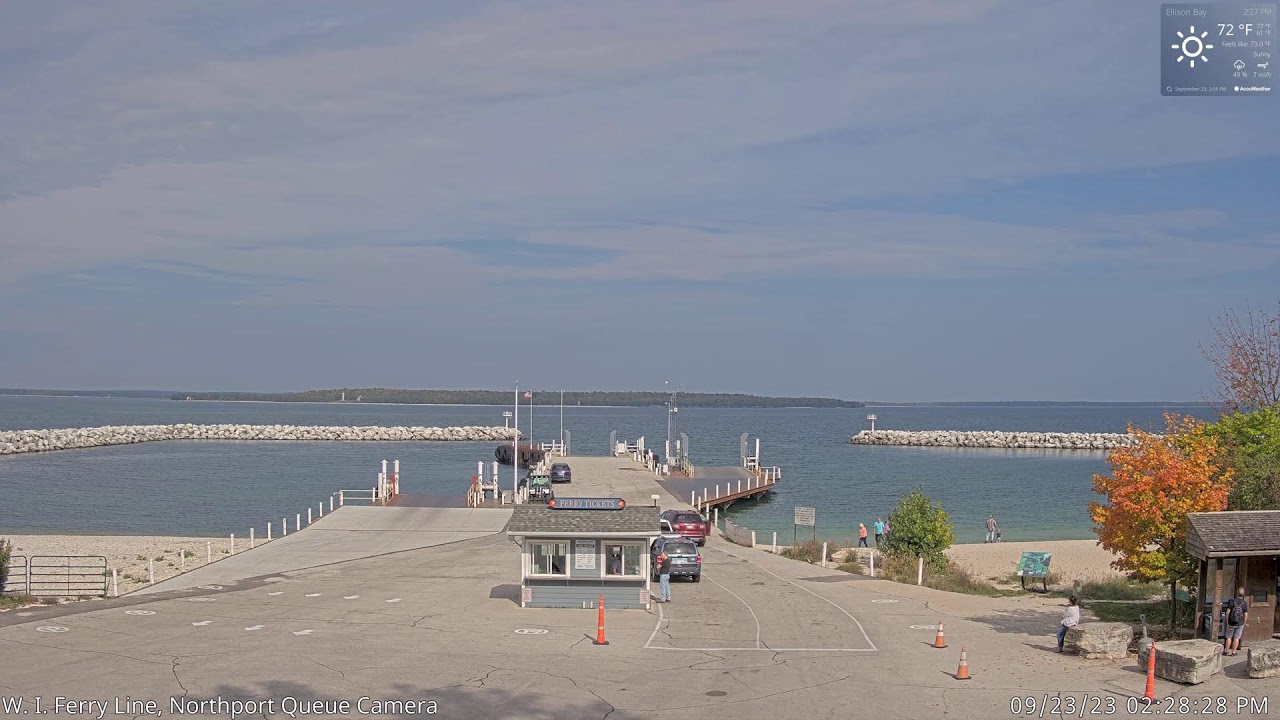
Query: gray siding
[(553, 593)]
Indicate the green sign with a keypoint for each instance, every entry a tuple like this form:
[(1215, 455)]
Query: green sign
[(1034, 564)]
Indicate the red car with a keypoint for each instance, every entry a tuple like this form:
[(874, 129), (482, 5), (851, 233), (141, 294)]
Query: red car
[(688, 524)]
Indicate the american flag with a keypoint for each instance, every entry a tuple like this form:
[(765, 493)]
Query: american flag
[(528, 394)]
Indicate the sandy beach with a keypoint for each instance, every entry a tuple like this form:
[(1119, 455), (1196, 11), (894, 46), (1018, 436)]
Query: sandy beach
[(129, 554), (1072, 560)]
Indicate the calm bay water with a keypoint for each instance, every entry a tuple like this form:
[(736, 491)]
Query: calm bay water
[(215, 488)]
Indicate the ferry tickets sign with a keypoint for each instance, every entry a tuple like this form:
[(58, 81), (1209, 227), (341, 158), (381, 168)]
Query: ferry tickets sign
[(586, 503)]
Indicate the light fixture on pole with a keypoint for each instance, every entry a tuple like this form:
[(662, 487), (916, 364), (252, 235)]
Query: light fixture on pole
[(506, 419), (671, 409), (515, 450), (561, 419), (872, 418)]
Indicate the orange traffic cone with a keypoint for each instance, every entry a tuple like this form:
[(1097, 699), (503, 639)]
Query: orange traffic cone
[(600, 625), (1150, 694), (963, 672), (940, 641)]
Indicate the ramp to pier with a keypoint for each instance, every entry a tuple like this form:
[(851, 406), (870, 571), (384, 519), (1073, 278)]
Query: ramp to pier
[(351, 533)]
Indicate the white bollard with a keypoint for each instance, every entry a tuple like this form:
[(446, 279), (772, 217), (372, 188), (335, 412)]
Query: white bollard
[(824, 553), (342, 499), (251, 538), (715, 514), (268, 532), (775, 543), (920, 572), (873, 563), (320, 512), (330, 503), (151, 571), (182, 560), (309, 520), (717, 491), (284, 526), (753, 538), (297, 522), (693, 498), (208, 551), (115, 584), (233, 544)]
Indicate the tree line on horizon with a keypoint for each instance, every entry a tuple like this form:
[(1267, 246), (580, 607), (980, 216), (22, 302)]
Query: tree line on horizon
[(543, 398)]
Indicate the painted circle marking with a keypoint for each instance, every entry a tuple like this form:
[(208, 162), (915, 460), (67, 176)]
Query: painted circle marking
[(202, 599), (209, 587), (531, 631), (52, 628), (924, 627), (139, 612), (883, 600)]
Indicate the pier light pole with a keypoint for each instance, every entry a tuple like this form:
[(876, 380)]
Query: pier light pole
[(515, 449), (506, 419), (671, 410), (872, 418), (561, 419)]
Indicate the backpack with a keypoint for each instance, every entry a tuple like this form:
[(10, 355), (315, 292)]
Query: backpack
[(1236, 614)]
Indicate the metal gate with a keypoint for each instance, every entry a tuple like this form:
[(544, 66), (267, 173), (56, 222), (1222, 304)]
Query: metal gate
[(67, 575), (15, 582)]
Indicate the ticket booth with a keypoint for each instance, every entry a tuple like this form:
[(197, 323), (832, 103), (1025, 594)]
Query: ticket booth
[(1237, 549), (573, 550)]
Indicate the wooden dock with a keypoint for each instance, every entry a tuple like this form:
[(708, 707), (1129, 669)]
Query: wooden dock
[(721, 487)]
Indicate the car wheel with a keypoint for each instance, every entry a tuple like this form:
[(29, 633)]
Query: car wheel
[(697, 578)]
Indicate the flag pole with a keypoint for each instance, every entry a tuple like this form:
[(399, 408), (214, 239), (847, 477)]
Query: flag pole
[(561, 419), (515, 448)]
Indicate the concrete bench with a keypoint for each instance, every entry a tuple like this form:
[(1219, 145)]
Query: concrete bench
[(1264, 659), (1185, 661), (1099, 640)]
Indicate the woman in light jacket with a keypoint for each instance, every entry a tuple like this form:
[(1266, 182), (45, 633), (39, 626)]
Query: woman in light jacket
[(1070, 618)]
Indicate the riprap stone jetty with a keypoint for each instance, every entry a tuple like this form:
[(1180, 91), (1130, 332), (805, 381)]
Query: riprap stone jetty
[(995, 439)]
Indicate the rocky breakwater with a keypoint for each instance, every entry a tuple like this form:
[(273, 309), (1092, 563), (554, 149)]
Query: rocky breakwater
[(995, 439), (13, 442)]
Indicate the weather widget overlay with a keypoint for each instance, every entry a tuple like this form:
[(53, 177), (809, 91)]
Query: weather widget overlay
[(1217, 48)]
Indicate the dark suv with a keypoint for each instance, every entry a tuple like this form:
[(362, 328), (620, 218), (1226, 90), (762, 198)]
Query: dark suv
[(689, 524), (560, 472), (685, 558)]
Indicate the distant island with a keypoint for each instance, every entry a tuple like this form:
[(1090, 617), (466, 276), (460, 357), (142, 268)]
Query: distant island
[(507, 397), (89, 393)]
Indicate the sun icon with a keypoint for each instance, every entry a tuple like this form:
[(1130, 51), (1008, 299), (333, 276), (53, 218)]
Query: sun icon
[(1192, 46)]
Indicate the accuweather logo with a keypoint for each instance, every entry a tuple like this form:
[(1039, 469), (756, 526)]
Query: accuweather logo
[(1252, 88)]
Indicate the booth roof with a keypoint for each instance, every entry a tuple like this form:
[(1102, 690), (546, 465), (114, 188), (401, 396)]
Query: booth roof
[(1234, 533), (641, 521)]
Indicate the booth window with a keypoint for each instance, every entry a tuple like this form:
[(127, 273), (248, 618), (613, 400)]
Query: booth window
[(548, 558), (623, 559)]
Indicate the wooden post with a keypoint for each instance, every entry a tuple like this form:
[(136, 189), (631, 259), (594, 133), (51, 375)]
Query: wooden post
[(182, 560), (775, 541), (309, 519), (873, 563), (753, 538), (251, 545), (268, 532), (151, 571), (330, 503), (341, 499), (824, 554), (233, 543), (1217, 602), (739, 484), (1202, 594), (320, 512), (208, 551), (920, 572), (115, 584)]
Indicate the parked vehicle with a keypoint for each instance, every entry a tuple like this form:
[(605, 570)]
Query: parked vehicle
[(685, 558), (539, 486), (560, 472), (689, 524)]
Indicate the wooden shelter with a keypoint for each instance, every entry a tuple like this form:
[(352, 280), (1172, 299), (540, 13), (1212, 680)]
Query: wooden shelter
[(1237, 549)]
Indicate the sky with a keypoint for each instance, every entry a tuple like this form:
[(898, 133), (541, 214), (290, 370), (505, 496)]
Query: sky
[(906, 200)]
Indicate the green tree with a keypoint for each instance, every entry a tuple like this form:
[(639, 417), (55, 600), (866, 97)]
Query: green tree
[(5, 549), (1251, 442), (919, 527)]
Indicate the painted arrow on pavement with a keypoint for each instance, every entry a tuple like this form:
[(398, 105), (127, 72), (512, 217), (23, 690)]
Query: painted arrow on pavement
[(394, 600), (302, 632), (314, 594), (202, 622), (350, 597), (278, 592), (255, 627)]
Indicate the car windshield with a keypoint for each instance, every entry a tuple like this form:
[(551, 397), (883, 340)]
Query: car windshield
[(680, 548), (559, 466), (688, 518)]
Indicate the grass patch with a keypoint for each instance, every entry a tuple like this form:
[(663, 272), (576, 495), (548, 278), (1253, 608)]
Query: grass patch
[(940, 574), (811, 552), (9, 602), (188, 553), (1122, 589), (140, 558)]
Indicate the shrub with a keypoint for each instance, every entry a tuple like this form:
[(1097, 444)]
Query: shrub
[(188, 553), (6, 549), (811, 551), (921, 528)]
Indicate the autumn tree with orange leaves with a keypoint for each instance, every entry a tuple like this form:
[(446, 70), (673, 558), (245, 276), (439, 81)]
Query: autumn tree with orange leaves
[(1152, 486)]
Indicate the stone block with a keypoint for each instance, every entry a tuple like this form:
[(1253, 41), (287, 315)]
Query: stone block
[(1264, 659), (1100, 640), (1185, 661)]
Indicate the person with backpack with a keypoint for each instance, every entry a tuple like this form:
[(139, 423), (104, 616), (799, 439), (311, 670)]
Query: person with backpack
[(1237, 616)]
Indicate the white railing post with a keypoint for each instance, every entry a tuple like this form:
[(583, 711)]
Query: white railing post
[(341, 499), (753, 538), (251, 541), (739, 484), (775, 542), (824, 553), (284, 526), (873, 563), (182, 560), (920, 572), (320, 511), (151, 571), (297, 522), (693, 498), (330, 503), (268, 532), (208, 551), (115, 584), (233, 544), (309, 518), (716, 517)]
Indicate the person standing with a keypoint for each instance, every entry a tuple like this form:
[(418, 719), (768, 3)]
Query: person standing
[(1237, 616), (862, 535), (664, 576), (1070, 618), (879, 531), (991, 528)]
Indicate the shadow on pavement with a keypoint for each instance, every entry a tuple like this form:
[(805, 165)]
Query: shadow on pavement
[(1023, 622)]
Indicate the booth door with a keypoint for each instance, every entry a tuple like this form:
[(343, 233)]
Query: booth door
[(1260, 586)]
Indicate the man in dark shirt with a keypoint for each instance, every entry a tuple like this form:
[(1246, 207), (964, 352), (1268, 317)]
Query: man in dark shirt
[(664, 576), (1234, 631)]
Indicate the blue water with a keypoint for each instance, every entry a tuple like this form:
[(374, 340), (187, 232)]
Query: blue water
[(215, 488)]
